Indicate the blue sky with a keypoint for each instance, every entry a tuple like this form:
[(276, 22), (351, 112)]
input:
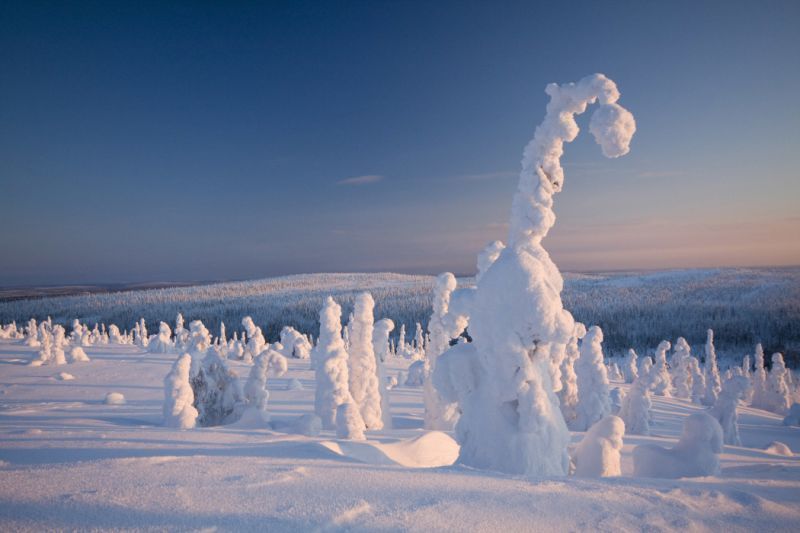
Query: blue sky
[(199, 141)]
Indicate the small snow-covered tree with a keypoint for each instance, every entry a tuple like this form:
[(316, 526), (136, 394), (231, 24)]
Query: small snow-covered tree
[(59, 343), (380, 345), (778, 391), (181, 335), (295, 344), (724, 410), (681, 377), (635, 409), (630, 369), (401, 341), (439, 415), (364, 385), (179, 410), (45, 343), (140, 337), (568, 395), (114, 336), (713, 383), (698, 380), (660, 378), (255, 339), (32, 333), (488, 256), (77, 355), (218, 395), (330, 365), (593, 394), (760, 398), (256, 393), (163, 342), (598, 454)]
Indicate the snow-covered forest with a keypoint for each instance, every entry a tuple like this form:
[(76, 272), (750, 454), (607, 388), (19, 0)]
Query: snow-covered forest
[(635, 309)]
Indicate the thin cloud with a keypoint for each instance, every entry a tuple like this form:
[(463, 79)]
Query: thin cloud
[(487, 176), (361, 180)]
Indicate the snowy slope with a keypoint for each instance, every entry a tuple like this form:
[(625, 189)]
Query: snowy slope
[(71, 462)]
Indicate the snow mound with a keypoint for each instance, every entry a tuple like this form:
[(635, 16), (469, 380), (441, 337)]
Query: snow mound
[(793, 418), (779, 448), (64, 376), (433, 449), (114, 398), (294, 384)]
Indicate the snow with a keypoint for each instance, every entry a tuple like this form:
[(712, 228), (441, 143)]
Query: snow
[(71, 462), (362, 365), (114, 398)]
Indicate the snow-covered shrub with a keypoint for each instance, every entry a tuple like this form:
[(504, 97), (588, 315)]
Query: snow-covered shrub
[(114, 398), (439, 415), (330, 365), (660, 378), (510, 418), (256, 394), (713, 383), (163, 342), (778, 391), (779, 448), (629, 368), (364, 385), (295, 344), (681, 377), (598, 454), (793, 417), (415, 376), (635, 409), (488, 256), (349, 424), (77, 355), (568, 395), (218, 395), (724, 410), (594, 402), (179, 411), (695, 454)]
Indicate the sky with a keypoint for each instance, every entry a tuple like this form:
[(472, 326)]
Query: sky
[(189, 141)]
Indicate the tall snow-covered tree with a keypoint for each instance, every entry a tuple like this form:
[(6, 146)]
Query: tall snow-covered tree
[(363, 369), (510, 419), (179, 410), (713, 382), (680, 363), (778, 391), (330, 365), (629, 368), (661, 380), (594, 401)]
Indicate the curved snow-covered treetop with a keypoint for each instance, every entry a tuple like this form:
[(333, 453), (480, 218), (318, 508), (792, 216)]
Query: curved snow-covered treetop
[(611, 125)]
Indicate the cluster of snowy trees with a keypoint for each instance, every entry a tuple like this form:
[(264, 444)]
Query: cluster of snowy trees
[(54, 346)]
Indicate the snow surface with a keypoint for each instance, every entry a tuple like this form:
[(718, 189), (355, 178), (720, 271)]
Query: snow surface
[(67, 461)]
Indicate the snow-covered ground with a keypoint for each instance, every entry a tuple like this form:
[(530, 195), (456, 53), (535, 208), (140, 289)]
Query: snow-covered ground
[(70, 461)]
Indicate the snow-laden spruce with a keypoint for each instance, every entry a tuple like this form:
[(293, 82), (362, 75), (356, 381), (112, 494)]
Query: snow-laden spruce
[(163, 342), (713, 381), (696, 453), (510, 418), (760, 398), (380, 346), (697, 378), (724, 409), (330, 365), (598, 454), (364, 386), (255, 339), (440, 415), (660, 378), (256, 394), (681, 377), (629, 368), (594, 402), (635, 408), (568, 395), (779, 396), (179, 410)]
